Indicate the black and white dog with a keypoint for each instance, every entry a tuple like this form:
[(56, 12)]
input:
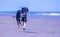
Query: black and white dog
[(21, 15)]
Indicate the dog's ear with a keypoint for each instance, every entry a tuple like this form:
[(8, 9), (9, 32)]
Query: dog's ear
[(24, 9)]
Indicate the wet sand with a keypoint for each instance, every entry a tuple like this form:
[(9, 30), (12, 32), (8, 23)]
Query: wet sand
[(43, 26)]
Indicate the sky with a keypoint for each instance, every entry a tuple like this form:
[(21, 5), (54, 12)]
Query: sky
[(33, 5)]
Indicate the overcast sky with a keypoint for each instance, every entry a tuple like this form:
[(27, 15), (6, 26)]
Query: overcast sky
[(33, 5)]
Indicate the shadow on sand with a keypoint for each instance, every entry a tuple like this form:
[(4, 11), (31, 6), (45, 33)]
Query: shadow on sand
[(30, 32)]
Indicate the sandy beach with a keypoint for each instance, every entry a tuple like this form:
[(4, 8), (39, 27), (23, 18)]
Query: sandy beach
[(48, 26)]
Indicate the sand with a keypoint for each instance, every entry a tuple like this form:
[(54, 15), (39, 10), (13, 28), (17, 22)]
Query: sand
[(37, 26)]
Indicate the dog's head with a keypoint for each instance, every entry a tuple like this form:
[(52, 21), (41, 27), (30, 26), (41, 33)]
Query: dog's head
[(24, 9)]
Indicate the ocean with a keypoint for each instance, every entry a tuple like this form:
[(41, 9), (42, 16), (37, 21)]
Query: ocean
[(32, 13)]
